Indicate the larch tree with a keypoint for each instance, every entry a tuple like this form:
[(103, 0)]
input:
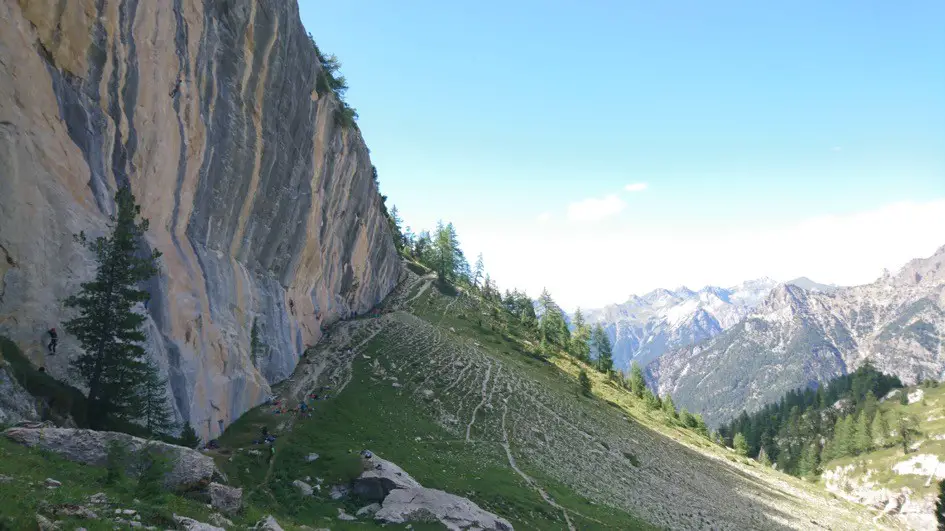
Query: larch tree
[(477, 271), (880, 430), (112, 363), (907, 428), (740, 444), (604, 352), (668, 407), (862, 439), (579, 347), (810, 461), (637, 381)]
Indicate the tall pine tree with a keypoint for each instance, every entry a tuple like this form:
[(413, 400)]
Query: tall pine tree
[(862, 439), (740, 444), (637, 382), (579, 347), (112, 363), (668, 407), (880, 430), (605, 355), (155, 414)]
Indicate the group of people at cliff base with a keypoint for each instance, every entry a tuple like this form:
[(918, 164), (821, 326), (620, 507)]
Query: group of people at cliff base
[(302, 409)]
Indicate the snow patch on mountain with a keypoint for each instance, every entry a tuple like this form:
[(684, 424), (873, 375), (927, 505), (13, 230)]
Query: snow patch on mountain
[(645, 326)]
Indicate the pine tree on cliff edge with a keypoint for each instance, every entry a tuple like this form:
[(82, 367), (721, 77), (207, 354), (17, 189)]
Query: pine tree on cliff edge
[(112, 364)]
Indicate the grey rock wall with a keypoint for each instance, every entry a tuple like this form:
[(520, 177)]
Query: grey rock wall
[(264, 207)]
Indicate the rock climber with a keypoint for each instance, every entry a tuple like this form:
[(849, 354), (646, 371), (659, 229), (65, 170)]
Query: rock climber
[(53, 340)]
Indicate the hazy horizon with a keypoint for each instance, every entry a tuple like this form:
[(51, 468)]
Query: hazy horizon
[(603, 150)]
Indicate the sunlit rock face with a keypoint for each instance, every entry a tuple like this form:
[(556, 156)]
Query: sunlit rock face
[(263, 206)]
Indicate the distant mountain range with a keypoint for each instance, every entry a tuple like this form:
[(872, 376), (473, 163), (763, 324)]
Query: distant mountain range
[(644, 327), (804, 333)]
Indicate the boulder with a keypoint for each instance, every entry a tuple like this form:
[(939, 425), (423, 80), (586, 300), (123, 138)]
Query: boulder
[(189, 524), (16, 404), (454, 512), (268, 524), (68, 510), (45, 524), (368, 510), (218, 519), (380, 477), (303, 487), (311, 457), (342, 515), (52, 483), (227, 500), (191, 469)]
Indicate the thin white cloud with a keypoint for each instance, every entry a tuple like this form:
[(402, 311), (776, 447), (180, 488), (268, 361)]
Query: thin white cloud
[(595, 209), (544, 217), (635, 187), (845, 249), (836, 148)]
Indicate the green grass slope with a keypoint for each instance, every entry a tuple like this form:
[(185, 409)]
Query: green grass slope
[(438, 385), (863, 478), (432, 387)]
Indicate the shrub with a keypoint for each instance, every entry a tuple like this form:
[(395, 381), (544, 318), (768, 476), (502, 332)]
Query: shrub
[(585, 382), (116, 460), (152, 467)]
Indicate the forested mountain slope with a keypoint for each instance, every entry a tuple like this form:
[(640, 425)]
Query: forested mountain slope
[(644, 327), (799, 338)]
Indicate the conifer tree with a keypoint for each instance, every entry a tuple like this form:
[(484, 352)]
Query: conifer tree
[(740, 444), (579, 347), (395, 221), (552, 325), (810, 460), (155, 413), (763, 457), (477, 271), (879, 430), (109, 329), (188, 436), (605, 356), (686, 419), (651, 400), (668, 407), (842, 444), (907, 428), (637, 382), (862, 439), (585, 382), (700, 426)]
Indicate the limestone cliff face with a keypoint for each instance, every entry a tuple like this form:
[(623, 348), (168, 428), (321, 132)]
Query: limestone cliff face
[(264, 207)]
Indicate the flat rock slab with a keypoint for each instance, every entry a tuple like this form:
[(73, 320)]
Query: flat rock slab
[(380, 477), (190, 469), (454, 512)]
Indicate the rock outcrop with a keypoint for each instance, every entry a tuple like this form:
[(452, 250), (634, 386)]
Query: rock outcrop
[(261, 200), (16, 404), (225, 499), (190, 468), (404, 500), (798, 337)]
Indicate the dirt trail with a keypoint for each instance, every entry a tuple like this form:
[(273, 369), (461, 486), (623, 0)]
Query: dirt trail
[(528, 479)]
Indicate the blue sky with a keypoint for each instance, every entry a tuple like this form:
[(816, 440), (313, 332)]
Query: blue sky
[(765, 132)]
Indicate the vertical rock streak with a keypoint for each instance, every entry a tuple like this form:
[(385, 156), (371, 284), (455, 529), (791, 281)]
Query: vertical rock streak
[(264, 208)]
